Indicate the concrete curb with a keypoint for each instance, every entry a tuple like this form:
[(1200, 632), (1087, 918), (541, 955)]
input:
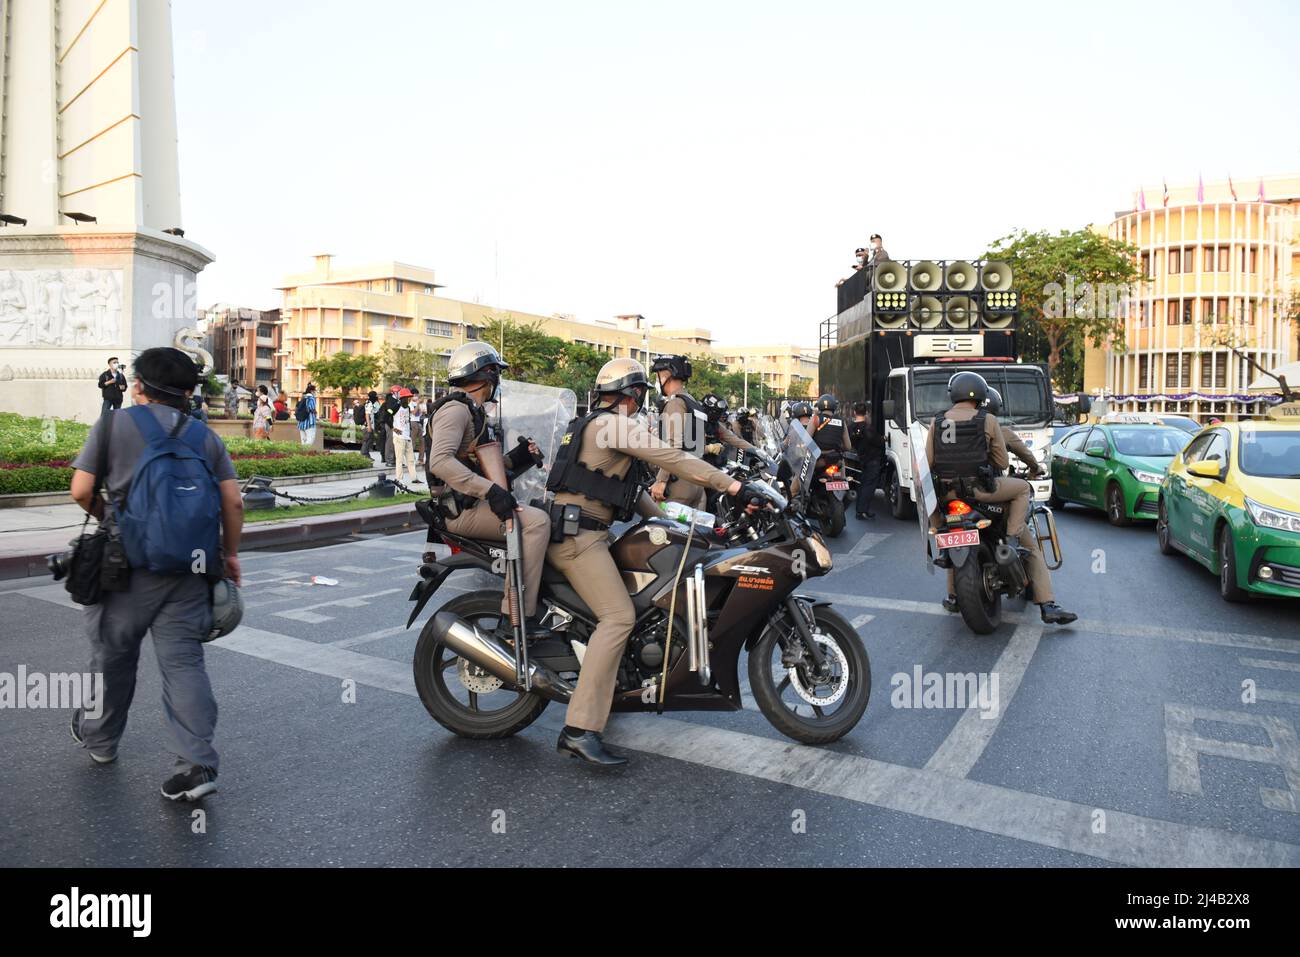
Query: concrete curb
[(394, 518)]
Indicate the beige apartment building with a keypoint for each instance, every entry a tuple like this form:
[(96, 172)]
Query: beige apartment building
[(361, 309), (1219, 267)]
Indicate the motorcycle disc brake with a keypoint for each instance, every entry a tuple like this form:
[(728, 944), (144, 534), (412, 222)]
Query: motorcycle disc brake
[(475, 679), (838, 685)]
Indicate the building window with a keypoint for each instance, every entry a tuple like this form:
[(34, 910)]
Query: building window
[(1146, 265), (428, 290), (471, 332), (399, 285), (1171, 313), (1223, 259), (1189, 259), (1178, 371), (434, 328), (1207, 259), (1174, 260), (1144, 372), (1254, 259)]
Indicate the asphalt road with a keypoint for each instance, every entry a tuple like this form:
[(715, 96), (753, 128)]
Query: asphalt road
[(1122, 740)]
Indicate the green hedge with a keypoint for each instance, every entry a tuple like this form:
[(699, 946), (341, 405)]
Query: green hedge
[(303, 465), (38, 478), (24, 439)]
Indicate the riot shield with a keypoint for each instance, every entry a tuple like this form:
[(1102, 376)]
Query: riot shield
[(769, 436), (800, 454), (541, 413), (922, 486)]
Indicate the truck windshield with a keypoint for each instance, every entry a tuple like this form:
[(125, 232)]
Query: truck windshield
[(1025, 397)]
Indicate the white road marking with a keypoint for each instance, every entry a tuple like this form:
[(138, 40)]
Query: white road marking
[(861, 620), (858, 553), (352, 601), (973, 732), (368, 637), (300, 614), (1050, 822), (1267, 663), (391, 544), (55, 594), (357, 570), (1184, 746), (1284, 697), (1121, 629)]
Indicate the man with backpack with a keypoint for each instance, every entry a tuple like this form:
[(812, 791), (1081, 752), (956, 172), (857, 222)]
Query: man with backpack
[(305, 413), (171, 494), (387, 416)]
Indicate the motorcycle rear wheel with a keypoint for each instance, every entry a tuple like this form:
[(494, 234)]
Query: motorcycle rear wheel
[(981, 610), (444, 695), (834, 517), (782, 704)]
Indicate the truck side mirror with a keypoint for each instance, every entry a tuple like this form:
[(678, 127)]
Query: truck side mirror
[(887, 408), (1085, 404)]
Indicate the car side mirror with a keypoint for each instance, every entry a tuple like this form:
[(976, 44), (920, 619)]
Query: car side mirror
[(1085, 404), (1095, 452), (887, 408), (1206, 468)]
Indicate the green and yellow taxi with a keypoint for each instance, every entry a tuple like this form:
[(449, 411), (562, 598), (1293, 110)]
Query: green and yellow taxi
[(1231, 501), (1114, 467)]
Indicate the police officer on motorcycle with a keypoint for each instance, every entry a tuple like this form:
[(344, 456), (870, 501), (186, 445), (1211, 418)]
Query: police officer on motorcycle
[(469, 478), (682, 424), (596, 479), (718, 434), (828, 429), (966, 450), (1015, 445)]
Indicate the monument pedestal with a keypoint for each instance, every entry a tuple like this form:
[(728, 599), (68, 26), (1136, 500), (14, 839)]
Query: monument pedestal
[(70, 297)]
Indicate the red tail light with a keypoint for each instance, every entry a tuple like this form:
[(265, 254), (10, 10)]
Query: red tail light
[(832, 470), (958, 508)]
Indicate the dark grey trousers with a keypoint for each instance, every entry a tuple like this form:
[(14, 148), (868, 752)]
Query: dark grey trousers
[(177, 609)]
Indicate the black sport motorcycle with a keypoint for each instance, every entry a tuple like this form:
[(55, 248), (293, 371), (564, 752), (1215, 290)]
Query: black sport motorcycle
[(986, 563), (700, 597)]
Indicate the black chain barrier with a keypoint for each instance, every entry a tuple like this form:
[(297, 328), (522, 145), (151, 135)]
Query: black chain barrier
[(339, 498)]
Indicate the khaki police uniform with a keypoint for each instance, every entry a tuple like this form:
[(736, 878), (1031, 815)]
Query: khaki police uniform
[(1017, 447), (609, 443), (451, 446), (728, 438), (682, 428), (1013, 492)]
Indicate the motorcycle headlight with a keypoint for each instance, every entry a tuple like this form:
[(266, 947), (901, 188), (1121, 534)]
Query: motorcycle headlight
[(820, 553), (1266, 517), (1150, 478)]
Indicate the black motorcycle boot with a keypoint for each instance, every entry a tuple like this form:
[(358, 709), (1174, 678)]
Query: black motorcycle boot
[(950, 605), (590, 748), (1054, 614)]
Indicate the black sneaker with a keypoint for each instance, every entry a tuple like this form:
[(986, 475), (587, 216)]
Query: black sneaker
[(75, 728), (190, 784), (950, 605), (1054, 614)]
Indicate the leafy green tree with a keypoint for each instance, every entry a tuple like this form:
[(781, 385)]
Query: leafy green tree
[(1069, 285), (345, 371), (408, 365)]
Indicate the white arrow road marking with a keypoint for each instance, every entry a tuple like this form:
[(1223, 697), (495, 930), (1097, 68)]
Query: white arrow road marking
[(861, 620), (975, 729), (311, 618), (1050, 822), (858, 553)]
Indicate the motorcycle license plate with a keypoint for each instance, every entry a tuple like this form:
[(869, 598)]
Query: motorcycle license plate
[(956, 539), (837, 486)]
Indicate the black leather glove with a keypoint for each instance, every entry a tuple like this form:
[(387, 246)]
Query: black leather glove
[(501, 502), (751, 495), (519, 460)]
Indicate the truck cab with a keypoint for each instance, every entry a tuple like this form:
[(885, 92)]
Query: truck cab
[(919, 393)]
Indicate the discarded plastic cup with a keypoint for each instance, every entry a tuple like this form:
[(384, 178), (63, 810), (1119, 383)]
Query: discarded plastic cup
[(322, 580)]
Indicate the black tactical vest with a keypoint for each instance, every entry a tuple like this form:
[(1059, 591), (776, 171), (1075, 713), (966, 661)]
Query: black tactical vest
[(830, 434), (694, 426), (570, 475), (966, 454)]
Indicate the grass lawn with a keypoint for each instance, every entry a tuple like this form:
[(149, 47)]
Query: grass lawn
[(292, 512)]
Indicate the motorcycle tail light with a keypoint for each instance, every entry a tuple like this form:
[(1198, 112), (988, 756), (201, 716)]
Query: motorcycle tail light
[(958, 507), (832, 470)]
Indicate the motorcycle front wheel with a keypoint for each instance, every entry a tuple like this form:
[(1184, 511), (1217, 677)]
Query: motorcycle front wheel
[(457, 694), (803, 706), (981, 607)]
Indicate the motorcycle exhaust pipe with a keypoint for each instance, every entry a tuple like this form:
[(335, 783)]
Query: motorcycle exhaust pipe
[(495, 658), (1011, 568)]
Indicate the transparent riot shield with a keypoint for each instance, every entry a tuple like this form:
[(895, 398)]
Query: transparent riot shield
[(769, 436), (923, 492), (800, 453), (536, 412)]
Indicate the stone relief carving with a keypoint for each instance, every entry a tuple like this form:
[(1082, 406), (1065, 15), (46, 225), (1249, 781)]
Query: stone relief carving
[(60, 307)]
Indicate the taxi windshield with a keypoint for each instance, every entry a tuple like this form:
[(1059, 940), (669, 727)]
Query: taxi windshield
[(1270, 454), (1149, 441)]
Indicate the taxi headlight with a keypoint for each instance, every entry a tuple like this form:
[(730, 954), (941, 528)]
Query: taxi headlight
[(1150, 478), (821, 554), (1266, 517)]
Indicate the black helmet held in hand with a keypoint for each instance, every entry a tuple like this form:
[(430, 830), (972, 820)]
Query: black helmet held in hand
[(968, 387), (828, 403), (993, 404), (679, 367), (715, 407)]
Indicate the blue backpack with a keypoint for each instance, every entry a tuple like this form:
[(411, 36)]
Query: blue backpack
[(172, 513)]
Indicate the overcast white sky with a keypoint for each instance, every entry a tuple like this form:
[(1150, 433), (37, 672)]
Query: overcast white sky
[(706, 163)]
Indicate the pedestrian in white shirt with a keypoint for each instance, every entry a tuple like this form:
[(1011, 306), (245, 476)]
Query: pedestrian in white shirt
[(403, 452)]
